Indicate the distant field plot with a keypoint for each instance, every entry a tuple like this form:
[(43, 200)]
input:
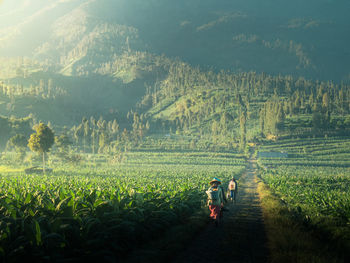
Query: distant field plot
[(196, 159), (314, 180), (110, 210), (331, 152)]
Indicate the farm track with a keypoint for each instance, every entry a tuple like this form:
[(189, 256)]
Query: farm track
[(241, 237)]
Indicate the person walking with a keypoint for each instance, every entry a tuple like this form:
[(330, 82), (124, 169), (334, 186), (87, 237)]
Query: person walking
[(232, 189), (216, 200)]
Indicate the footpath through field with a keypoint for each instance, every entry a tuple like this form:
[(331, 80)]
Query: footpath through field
[(241, 237)]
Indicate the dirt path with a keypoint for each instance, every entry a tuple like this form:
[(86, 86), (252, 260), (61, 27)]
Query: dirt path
[(241, 237)]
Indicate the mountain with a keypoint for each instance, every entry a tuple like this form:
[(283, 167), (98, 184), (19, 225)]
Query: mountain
[(129, 46), (303, 38)]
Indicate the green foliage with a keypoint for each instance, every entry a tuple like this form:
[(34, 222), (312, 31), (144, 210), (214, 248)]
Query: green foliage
[(62, 142), (76, 212), (108, 55), (42, 140), (19, 141), (10, 127), (313, 182)]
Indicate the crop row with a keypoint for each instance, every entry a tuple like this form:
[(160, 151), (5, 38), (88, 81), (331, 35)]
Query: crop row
[(88, 212), (314, 183), (317, 192)]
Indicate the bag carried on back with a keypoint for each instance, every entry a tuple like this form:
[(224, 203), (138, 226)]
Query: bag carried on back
[(213, 196), (232, 185)]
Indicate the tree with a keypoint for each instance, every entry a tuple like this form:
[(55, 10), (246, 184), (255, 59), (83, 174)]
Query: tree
[(86, 127), (325, 101), (5, 129), (297, 103), (214, 131), (19, 142), (93, 133), (62, 143), (262, 121), (243, 123), (243, 128), (79, 134), (42, 140), (115, 128), (280, 118), (320, 118)]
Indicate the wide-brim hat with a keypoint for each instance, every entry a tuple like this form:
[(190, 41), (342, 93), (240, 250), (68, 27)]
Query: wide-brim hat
[(215, 180)]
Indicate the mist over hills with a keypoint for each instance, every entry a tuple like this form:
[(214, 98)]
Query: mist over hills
[(132, 43), (301, 38)]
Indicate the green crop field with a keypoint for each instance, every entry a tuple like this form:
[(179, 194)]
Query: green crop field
[(313, 181), (89, 211), (115, 115)]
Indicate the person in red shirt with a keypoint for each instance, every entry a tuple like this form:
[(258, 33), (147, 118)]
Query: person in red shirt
[(216, 199)]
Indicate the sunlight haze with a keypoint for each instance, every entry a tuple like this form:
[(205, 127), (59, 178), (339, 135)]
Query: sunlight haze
[(175, 131)]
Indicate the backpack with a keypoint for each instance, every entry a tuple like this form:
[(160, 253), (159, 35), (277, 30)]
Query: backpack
[(213, 195), (232, 185)]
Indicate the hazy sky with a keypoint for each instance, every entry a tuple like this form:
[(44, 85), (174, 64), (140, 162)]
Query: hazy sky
[(8, 7), (14, 12)]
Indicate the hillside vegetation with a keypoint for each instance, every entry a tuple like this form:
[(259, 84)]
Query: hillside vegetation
[(136, 105), (188, 57)]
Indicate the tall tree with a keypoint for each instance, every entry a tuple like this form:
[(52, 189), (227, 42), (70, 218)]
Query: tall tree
[(262, 121), (62, 143), (79, 134), (93, 133), (42, 140), (243, 127), (86, 126), (280, 117)]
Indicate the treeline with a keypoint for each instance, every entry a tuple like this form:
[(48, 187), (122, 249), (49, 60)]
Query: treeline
[(90, 136), (20, 67), (102, 136), (223, 107), (10, 127), (185, 80), (211, 102), (135, 63), (328, 108), (43, 89)]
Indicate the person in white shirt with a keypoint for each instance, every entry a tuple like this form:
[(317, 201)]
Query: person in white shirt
[(232, 189)]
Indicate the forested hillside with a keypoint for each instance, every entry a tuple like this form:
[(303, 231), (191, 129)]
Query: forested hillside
[(223, 108), (226, 104), (223, 71), (115, 115)]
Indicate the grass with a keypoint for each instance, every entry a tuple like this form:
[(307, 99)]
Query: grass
[(7, 169), (288, 239)]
